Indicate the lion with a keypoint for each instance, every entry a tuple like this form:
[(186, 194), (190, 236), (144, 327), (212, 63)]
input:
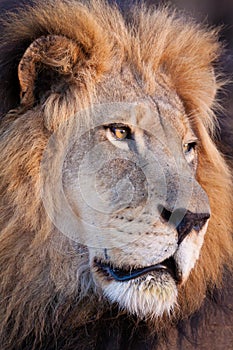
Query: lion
[(116, 204)]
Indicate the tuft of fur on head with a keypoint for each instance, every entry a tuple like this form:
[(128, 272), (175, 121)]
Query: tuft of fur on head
[(46, 283)]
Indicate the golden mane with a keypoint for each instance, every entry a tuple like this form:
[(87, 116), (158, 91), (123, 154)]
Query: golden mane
[(38, 279)]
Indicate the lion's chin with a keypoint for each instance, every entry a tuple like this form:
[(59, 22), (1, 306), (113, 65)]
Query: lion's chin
[(148, 297), (147, 292)]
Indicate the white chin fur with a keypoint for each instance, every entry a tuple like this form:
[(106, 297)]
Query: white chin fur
[(146, 297)]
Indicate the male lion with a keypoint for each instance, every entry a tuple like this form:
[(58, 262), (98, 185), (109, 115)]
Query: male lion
[(116, 205)]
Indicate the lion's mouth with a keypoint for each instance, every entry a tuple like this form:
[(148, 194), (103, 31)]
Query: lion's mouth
[(123, 274)]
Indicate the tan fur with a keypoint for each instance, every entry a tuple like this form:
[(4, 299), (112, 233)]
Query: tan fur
[(39, 267)]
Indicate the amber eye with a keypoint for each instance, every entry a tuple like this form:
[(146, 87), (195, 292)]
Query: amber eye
[(189, 147), (120, 132)]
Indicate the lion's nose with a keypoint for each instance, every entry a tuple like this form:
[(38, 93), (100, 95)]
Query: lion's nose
[(184, 220)]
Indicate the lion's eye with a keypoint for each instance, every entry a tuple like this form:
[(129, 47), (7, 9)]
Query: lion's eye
[(189, 147), (120, 132), (189, 150)]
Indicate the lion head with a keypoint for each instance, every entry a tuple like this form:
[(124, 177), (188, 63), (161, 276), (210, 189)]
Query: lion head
[(113, 191)]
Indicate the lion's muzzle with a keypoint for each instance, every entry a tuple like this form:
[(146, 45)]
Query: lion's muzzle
[(127, 274)]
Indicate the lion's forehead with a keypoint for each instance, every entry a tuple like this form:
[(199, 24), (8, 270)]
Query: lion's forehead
[(162, 100)]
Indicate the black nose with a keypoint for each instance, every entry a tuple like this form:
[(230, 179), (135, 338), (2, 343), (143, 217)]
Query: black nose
[(184, 220)]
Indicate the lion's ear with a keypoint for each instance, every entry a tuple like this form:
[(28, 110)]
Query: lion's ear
[(47, 65)]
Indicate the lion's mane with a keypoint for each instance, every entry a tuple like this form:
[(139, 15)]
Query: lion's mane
[(47, 297)]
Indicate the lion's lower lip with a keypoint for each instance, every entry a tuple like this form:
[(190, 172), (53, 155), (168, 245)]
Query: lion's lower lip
[(123, 275)]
